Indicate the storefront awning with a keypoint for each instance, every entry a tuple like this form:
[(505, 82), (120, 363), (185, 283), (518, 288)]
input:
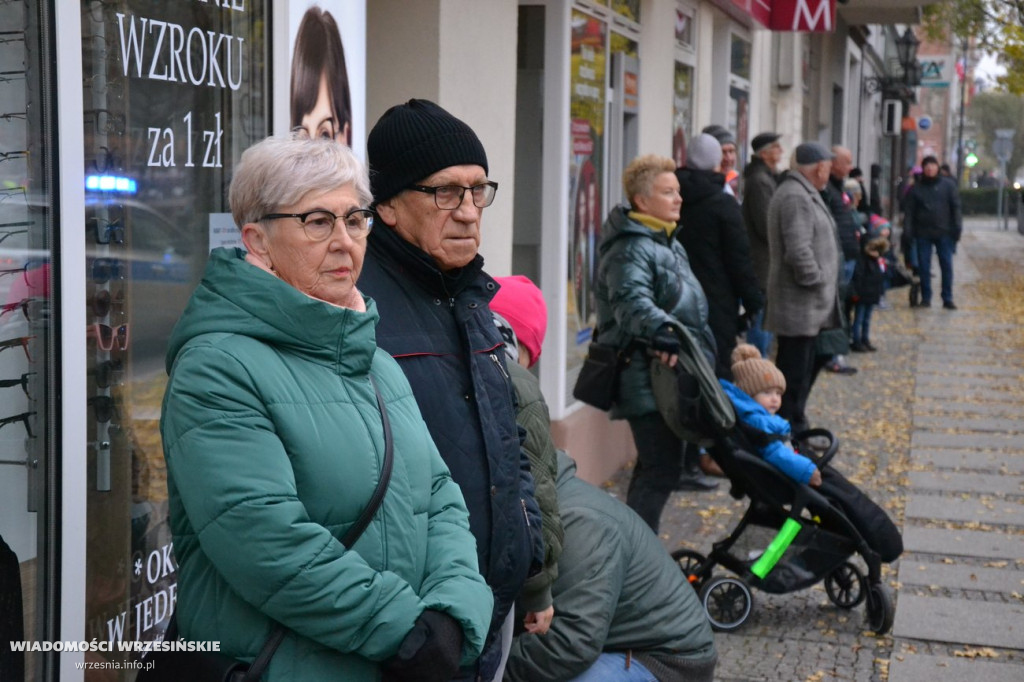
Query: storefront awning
[(819, 16)]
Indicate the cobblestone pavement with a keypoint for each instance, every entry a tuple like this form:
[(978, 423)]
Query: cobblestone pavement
[(930, 428)]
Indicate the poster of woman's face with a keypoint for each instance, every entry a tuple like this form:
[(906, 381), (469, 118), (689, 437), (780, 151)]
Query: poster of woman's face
[(327, 95)]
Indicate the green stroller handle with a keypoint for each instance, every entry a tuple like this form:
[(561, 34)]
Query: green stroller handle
[(783, 539)]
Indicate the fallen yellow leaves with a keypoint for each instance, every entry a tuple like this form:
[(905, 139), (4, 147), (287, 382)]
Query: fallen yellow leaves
[(970, 652)]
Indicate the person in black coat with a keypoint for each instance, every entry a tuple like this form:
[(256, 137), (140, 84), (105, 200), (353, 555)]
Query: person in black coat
[(934, 221), (715, 238)]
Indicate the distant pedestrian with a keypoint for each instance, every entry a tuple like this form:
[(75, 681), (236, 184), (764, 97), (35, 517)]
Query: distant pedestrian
[(728, 142), (867, 291), (803, 274), (933, 222), (760, 180)]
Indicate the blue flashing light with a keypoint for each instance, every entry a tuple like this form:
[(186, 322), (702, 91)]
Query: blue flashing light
[(110, 183)]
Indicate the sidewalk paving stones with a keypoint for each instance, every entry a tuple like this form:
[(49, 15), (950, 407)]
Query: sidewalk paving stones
[(970, 440), (970, 424), (961, 621), (971, 577), (954, 482), (983, 510), (992, 460), (944, 542), (926, 407), (959, 393), (920, 668)]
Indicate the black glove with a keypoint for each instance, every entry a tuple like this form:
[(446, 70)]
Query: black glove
[(666, 339), (429, 653)]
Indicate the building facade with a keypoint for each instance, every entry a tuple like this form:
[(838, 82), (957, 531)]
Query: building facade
[(122, 122)]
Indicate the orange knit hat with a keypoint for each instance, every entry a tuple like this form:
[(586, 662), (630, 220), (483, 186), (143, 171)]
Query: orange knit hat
[(752, 373)]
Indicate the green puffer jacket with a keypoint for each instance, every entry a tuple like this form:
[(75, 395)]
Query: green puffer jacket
[(532, 414), (274, 444), (644, 280)]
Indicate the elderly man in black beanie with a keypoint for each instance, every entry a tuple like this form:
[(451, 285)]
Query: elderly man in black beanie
[(428, 175)]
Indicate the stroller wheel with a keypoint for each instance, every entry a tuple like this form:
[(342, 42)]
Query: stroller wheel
[(689, 562), (880, 609), (845, 586), (727, 602)]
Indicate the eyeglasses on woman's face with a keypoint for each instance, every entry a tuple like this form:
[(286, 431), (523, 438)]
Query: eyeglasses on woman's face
[(319, 224), (449, 197)]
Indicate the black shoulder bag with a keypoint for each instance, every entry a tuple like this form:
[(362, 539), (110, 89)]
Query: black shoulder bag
[(598, 381), (203, 666)]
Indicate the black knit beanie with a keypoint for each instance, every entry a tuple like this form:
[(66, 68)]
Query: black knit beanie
[(414, 140)]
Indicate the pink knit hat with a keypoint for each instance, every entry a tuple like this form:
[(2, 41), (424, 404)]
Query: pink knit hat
[(521, 303)]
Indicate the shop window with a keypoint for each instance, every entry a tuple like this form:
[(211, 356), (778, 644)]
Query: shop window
[(682, 111), (28, 343), (173, 93), (739, 60), (684, 27)]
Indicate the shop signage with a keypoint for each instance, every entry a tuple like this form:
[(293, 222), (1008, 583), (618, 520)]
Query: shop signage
[(814, 16)]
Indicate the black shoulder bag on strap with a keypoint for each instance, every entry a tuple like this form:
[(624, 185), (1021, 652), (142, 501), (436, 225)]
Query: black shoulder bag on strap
[(201, 666)]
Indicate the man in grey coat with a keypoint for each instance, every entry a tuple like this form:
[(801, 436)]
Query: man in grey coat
[(803, 273)]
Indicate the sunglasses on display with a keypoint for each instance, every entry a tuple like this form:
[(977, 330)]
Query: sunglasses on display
[(108, 231), (103, 406), (24, 270), (17, 341), (23, 382), (106, 269), (102, 302), (23, 418), (106, 336), (25, 305), (106, 372)]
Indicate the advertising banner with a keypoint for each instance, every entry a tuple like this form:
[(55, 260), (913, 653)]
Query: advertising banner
[(587, 82), (327, 88)]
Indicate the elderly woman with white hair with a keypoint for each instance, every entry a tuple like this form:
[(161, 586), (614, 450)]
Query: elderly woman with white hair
[(276, 424)]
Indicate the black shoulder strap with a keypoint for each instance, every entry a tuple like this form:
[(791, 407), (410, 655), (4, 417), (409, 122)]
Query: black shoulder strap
[(262, 660)]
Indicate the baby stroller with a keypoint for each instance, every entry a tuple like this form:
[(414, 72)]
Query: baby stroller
[(814, 538), (825, 540)]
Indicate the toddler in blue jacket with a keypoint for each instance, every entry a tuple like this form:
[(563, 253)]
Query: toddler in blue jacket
[(756, 396)]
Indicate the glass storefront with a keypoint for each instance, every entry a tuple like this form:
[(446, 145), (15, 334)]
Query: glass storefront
[(27, 339), (173, 93)]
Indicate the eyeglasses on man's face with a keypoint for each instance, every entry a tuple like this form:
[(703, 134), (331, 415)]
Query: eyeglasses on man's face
[(319, 224), (449, 197)]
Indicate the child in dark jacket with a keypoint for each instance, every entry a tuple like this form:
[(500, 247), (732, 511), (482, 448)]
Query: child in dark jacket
[(868, 289), (756, 397)]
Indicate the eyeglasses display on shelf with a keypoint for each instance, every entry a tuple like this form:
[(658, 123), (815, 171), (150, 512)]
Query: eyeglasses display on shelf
[(17, 341), (106, 336), (106, 269), (23, 382), (106, 373), (102, 302), (14, 116), (103, 407), (24, 418), (27, 306), (13, 156), (107, 231), (29, 268)]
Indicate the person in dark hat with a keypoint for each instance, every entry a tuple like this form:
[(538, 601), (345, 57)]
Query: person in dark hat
[(803, 274), (728, 143), (428, 176), (760, 179)]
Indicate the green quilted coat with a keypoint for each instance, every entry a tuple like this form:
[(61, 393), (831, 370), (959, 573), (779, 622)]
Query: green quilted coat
[(274, 445)]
